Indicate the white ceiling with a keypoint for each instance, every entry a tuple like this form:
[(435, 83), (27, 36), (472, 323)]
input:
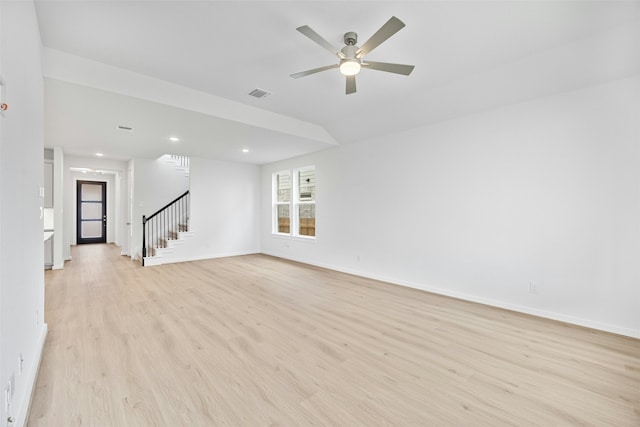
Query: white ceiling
[(469, 56)]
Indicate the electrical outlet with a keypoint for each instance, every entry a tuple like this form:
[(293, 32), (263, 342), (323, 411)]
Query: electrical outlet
[(8, 393), (12, 385), (533, 287), (7, 398)]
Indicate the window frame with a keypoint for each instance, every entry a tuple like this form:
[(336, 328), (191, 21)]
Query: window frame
[(294, 203), (275, 203), (296, 200)]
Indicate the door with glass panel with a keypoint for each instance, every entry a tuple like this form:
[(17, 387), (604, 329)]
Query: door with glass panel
[(92, 212)]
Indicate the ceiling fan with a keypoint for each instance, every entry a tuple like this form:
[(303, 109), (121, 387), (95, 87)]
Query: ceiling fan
[(351, 55)]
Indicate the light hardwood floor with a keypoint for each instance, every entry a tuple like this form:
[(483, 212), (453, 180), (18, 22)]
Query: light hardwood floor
[(257, 341)]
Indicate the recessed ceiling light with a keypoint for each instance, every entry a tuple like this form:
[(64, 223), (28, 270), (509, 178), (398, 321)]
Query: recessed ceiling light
[(174, 139), (245, 150), (99, 154)]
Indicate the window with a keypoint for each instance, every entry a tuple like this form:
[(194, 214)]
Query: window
[(305, 201), (294, 202), (282, 196)]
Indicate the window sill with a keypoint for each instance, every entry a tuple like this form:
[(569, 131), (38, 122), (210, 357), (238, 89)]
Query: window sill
[(309, 239)]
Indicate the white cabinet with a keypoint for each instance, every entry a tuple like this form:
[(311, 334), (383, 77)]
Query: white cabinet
[(48, 252)]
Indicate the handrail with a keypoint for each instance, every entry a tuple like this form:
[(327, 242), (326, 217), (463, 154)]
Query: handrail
[(166, 206), (164, 225)]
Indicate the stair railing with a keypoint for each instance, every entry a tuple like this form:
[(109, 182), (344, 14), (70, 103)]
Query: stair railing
[(164, 225), (182, 161)]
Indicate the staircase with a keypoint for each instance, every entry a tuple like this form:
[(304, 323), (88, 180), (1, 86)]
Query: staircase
[(181, 162), (165, 231)]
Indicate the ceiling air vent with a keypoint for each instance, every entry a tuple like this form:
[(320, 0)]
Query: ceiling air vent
[(124, 128), (259, 93)]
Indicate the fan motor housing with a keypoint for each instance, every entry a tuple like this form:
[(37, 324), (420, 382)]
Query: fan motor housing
[(350, 52), (350, 38)]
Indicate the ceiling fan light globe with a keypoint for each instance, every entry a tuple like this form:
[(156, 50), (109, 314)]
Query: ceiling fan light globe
[(350, 67)]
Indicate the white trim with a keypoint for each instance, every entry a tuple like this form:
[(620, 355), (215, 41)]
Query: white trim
[(202, 257), (301, 238), (3, 89), (110, 182), (633, 333), (23, 413), (275, 203), (283, 235), (296, 202)]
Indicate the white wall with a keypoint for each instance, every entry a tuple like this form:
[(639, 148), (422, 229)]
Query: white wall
[(478, 207), (116, 180), (22, 330), (58, 206), (224, 204), (156, 183), (225, 209)]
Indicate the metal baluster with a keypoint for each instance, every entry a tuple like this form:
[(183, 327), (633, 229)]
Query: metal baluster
[(165, 224)]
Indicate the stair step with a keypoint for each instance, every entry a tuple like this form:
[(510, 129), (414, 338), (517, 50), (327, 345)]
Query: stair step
[(168, 249), (179, 164), (151, 261), (161, 252)]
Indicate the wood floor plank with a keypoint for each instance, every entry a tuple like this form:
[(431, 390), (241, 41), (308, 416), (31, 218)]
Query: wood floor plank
[(255, 340)]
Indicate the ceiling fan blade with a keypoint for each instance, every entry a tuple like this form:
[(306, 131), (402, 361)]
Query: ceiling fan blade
[(390, 68), (315, 70), (391, 27), (351, 84), (307, 31)]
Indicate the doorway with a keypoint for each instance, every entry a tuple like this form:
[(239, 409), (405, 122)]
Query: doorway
[(92, 212)]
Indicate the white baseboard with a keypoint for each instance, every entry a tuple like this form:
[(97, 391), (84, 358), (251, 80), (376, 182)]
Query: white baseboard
[(203, 257), (633, 333), (220, 255), (23, 412)]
